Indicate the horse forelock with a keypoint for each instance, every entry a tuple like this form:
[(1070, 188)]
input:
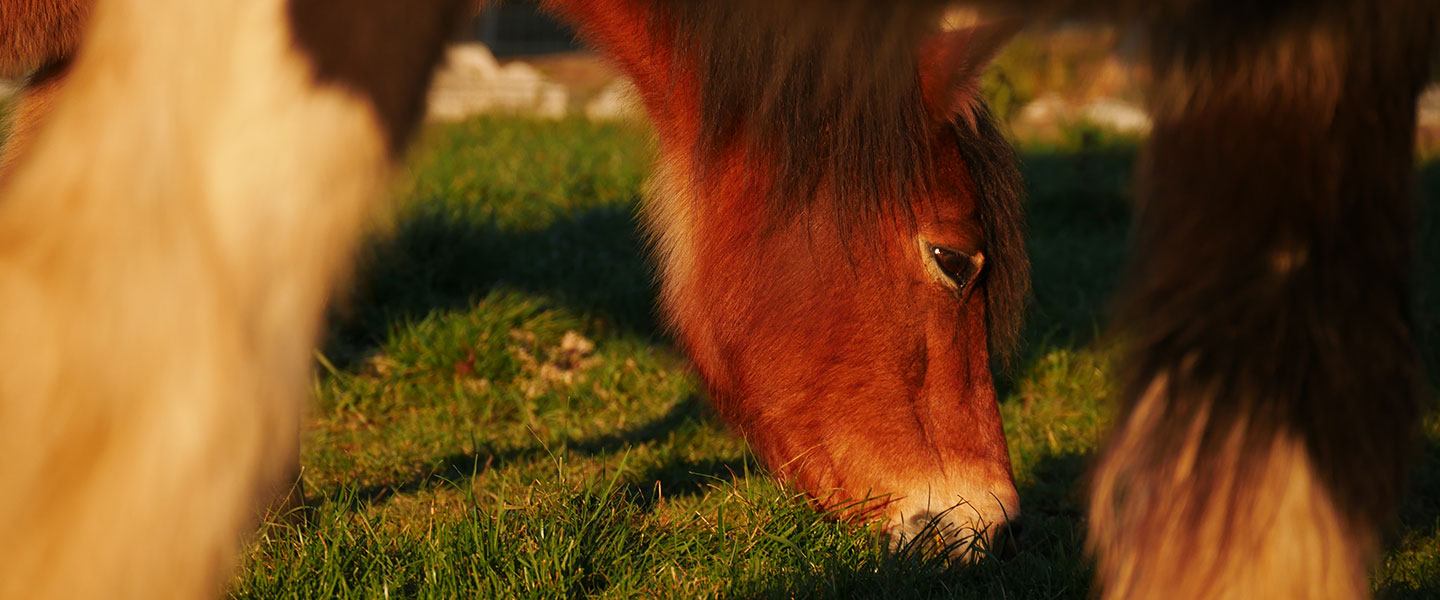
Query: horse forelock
[(999, 191), (827, 92)]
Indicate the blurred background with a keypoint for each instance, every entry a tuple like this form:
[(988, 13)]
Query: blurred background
[(514, 59), (1045, 85)]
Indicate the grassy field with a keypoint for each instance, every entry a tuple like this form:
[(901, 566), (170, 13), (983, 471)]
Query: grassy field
[(500, 415)]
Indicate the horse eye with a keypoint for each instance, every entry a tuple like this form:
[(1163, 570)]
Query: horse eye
[(961, 268)]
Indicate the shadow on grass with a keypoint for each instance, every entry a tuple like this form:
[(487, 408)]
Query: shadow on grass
[(681, 477), (1419, 522), (1078, 216), (1420, 509), (674, 477), (1428, 277), (593, 262)]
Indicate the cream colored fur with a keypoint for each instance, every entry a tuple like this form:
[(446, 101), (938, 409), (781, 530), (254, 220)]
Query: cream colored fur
[(1280, 538), (670, 223), (166, 250)]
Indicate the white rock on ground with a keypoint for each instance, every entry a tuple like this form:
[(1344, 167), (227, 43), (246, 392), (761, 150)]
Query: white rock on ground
[(618, 101), (1047, 109), (472, 82), (1108, 113), (1116, 115), (1124, 117)]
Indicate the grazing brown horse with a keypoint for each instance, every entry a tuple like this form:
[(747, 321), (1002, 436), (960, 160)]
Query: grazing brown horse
[(217, 157), (850, 348)]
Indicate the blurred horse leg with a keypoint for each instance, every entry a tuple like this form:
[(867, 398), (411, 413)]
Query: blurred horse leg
[(1271, 381), (167, 246)]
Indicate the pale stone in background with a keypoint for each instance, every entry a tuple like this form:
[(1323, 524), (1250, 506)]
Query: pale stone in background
[(473, 59), (1050, 112), (617, 101), (1115, 115), (1047, 114), (471, 82), (1043, 111)]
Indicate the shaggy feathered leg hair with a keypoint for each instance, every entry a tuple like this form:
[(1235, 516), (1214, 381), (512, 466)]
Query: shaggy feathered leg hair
[(167, 245), (1271, 381)]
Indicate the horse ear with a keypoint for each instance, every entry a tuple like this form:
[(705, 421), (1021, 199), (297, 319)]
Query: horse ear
[(952, 61)]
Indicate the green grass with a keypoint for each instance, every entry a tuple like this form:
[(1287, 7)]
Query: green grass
[(469, 441), (461, 446)]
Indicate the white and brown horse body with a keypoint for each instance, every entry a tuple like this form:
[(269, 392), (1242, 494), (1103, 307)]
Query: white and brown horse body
[(169, 237)]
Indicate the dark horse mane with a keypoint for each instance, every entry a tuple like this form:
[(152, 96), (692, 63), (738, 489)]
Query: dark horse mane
[(782, 74), (999, 191), (778, 73)]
